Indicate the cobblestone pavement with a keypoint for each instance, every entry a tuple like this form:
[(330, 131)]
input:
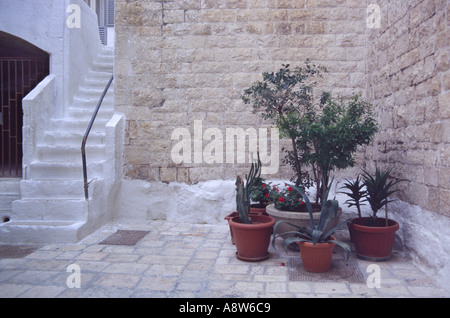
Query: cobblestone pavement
[(186, 260)]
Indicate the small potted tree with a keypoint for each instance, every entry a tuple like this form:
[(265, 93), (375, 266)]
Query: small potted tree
[(316, 244), (372, 236), (324, 133), (286, 98), (251, 233)]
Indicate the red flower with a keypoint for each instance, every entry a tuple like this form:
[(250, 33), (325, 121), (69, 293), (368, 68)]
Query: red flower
[(290, 189), (303, 203), (281, 199), (267, 195), (264, 185)]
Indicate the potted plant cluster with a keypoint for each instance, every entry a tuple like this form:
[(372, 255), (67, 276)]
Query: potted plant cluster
[(251, 233), (315, 242), (373, 237), (324, 133)]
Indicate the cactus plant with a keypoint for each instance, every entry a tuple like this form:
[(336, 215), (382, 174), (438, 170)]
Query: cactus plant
[(243, 191)]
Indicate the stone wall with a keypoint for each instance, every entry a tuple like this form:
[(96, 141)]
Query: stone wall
[(408, 82), (179, 61)]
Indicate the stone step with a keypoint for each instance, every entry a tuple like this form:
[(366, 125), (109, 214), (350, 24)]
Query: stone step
[(62, 170), (68, 153), (91, 102), (98, 75), (106, 57), (49, 209), (86, 113), (106, 51), (9, 192), (61, 138), (80, 126), (9, 185), (54, 189), (92, 93), (6, 201), (40, 232), (96, 83), (103, 65)]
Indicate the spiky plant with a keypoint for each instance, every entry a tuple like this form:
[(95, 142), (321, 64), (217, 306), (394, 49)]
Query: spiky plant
[(316, 233), (379, 190), (243, 191), (357, 193)]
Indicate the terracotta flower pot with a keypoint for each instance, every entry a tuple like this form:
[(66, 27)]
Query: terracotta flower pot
[(373, 243), (252, 240), (350, 231), (253, 212), (316, 258)]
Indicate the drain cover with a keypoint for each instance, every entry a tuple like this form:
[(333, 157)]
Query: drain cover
[(340, 271), (16, 251), (124, 237)]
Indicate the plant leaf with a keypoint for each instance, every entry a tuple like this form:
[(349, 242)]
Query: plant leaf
[(316, 235), (283, 221), (344, 246), (329, 209), (289, 240), (331, 231)]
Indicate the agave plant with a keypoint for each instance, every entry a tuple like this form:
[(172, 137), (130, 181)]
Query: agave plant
[(243, 191), (357, 194), (379, 190), (316, 233)]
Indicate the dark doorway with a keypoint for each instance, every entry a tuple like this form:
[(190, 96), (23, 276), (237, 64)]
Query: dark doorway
[(22, 67)]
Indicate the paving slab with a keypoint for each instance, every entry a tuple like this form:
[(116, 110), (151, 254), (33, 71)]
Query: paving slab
[(174, 260)]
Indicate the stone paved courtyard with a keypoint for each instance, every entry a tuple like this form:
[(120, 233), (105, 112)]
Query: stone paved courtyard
[(175, 260)]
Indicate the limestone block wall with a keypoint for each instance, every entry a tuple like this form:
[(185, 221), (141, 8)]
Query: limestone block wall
[(177, 62), (408, 82)]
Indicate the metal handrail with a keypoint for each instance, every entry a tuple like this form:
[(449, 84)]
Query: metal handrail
[(86, 135)]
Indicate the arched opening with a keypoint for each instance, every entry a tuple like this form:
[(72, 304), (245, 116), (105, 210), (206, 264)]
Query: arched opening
[(22, 67)]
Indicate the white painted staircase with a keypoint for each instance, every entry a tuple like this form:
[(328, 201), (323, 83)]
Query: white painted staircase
[(52, 207)]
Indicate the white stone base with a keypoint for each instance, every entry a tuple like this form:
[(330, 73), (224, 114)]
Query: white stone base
[(205, 202)]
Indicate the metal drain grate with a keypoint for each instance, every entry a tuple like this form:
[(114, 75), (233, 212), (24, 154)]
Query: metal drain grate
[(124, 237), (340, 271)]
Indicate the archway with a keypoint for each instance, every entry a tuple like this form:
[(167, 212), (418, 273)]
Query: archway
[(22, 67)]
